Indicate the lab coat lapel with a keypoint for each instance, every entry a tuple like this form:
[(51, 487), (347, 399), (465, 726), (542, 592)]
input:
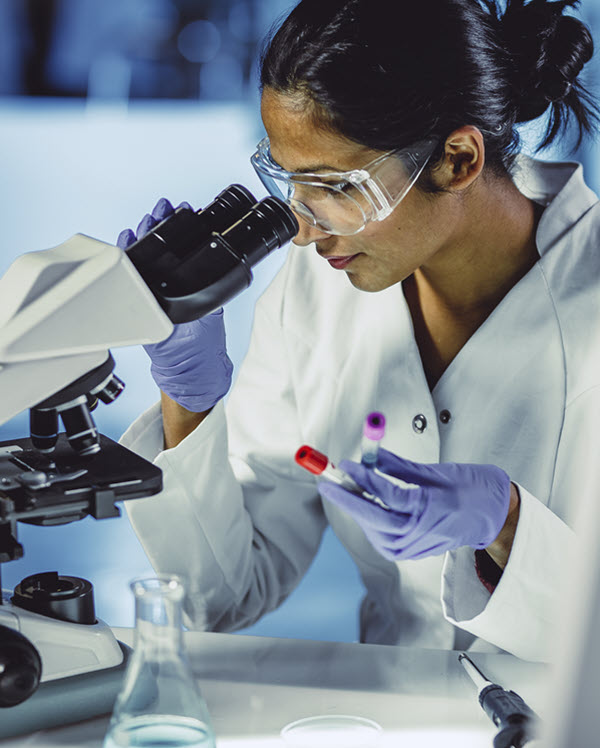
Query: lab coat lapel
[(505, 390), (383, 370)]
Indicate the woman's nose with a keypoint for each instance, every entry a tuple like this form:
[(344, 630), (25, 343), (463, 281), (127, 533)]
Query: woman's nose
[(307, 233)]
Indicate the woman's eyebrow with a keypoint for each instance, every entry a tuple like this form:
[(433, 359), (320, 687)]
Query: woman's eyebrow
[(310, 168), (318, 167)]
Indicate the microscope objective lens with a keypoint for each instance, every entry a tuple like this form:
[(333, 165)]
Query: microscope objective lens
[(111, 390), (81, 430), (43, 427)]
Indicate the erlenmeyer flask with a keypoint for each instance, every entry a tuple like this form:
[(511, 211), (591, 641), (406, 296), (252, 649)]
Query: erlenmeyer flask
[(160, 704)]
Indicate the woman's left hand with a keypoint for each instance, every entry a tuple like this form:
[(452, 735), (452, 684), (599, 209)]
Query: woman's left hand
[(451, 505)]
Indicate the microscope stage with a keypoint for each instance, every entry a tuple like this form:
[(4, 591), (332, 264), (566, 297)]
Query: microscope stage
[(60, 487)]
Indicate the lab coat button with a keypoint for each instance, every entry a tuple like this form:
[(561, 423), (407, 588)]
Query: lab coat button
[(445, 416), (419, 423)]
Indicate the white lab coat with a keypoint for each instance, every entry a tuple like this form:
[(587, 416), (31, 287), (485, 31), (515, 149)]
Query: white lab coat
[(243, 521)]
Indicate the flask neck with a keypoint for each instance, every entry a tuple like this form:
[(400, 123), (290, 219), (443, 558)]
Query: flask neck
[(158, 617)]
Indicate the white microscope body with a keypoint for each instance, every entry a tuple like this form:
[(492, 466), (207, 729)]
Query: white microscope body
[(61, 309)]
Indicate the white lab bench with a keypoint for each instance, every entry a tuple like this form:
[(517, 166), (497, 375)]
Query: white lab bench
[(254, 686)]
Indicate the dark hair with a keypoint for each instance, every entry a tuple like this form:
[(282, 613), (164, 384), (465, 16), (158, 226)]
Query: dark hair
[(387, 74)]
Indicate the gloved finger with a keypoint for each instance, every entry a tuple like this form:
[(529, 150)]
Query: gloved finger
[(188, 335), (407, 500), (126, 238), (182, 337), (392, 546), (184, 204), (147, 223), (364, 476), (406, 470), (422, 547), (366, 513), (162, 209), (375, 539), (196, 327)]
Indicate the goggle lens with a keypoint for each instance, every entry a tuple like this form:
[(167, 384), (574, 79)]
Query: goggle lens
[(322, 206), (338, 205)]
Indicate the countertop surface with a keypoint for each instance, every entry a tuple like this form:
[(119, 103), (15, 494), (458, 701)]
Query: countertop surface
[(254, 686)]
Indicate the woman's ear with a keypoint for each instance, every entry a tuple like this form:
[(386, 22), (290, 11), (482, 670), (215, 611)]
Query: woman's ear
[(463, 160)]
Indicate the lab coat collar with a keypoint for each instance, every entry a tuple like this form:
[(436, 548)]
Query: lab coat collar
[(561, 188)]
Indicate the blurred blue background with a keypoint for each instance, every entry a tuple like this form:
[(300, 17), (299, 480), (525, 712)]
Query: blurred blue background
[(104, 108)]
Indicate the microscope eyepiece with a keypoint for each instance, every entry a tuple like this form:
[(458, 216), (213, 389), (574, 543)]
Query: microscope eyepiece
[(180, 235), (195, 262), (234, 201), (267, 226), (221, 267)]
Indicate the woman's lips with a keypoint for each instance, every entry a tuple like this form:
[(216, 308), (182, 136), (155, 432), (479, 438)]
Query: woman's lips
[(339, 263)]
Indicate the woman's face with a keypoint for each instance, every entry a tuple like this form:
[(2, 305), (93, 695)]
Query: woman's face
[(385, 252)]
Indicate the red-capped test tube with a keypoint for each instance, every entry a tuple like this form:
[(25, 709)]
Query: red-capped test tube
[(319, 464)]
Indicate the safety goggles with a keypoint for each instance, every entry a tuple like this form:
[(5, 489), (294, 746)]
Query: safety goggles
[(343, 203)]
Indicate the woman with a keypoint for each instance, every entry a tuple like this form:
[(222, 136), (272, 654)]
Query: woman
[(470, 319)]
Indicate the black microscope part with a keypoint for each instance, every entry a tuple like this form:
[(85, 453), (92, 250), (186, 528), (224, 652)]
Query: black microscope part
[(114, 474), (20, 667), (111, 390), (73, 404), (65, 598), (43, 427), (181, 233), (195, 262), (92, 402), (222, 268), (267, 226), (80, 429)]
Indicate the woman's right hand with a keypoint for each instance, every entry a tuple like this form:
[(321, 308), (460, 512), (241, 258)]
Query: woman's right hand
[(191, 366)]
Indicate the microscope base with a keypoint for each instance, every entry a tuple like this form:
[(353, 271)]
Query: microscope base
[(66, 649), (66, 700)]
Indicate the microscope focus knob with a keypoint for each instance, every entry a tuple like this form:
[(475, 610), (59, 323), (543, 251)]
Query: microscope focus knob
[(20, 667)]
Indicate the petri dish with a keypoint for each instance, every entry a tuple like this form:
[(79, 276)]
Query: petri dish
[(327, 730)]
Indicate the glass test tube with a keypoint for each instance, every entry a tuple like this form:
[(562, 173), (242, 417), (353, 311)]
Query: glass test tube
[(319, 464), (373, 433)]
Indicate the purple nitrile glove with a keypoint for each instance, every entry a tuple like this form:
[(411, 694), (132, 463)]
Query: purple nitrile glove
[(452, 505), (191, 366)]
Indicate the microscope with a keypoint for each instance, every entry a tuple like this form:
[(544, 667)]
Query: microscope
[(61, 310)]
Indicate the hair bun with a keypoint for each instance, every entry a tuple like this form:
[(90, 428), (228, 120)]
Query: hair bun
[(547, 52)]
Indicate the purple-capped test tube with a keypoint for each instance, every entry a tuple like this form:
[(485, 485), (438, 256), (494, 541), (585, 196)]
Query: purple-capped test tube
[(373, 432)]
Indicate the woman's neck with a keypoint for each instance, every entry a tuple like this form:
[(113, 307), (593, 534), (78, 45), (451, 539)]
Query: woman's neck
[(494, 248), (455, 293)]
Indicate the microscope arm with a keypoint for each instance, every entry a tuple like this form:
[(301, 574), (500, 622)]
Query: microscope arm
[(61, 309)]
